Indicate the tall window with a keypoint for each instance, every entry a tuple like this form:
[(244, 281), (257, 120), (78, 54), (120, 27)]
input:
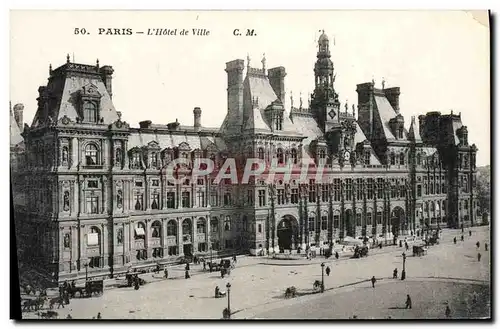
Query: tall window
[(379, 217), (201, 226), (369, 185), (262, 198), (368, 218), (393, 158), (214, 225), (281, 196), (419, 190), (419, 159), (293, 155), (279, 121), (312, 220), (200, 195), (295, 195), (90, 111), (358, 219), (171, 200), (155, 201), (400, 133), (312, 190), (138, 200), (172, 228), (186, 227), (348, 189), (214, 200), (324, 222), (156, 229), (118, 156), (324, 192), (227, 199), (186, 199), (136, 160), (336, 189), (359, 189), (140, 231), (260, 153), (335, 221), (322, 155), (380, 188), (91, 155), (92, 204), (367, 157), (154, 160), (280, 156), (401, 158)]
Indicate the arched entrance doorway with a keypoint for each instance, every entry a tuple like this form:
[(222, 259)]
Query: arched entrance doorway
[(397, 220), (288, 233), (349, 223)]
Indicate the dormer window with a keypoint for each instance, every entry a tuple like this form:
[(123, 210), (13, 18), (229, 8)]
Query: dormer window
[(321, 155), (135, 162), (154, 160), (367, 157), (402, 159), (279, 121), (393, 159), (90, 111), (91, 155), (89, 102), (400, 133)]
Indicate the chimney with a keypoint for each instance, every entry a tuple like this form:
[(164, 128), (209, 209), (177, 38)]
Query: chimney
[(106, 74), (18, 115), (365, 108), (234, 71), (277, 80), (197, 118), (392, 95)]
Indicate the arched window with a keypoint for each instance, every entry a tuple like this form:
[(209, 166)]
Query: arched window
[(90, 111), (279, 155), (172, 228), (227, 223), (214, 225), (91, 155), (140, 231), (156, 229), (260, 153), (201, 226), (401, 158), (433, 207), (293, 155), (186, 227), (94, 241)]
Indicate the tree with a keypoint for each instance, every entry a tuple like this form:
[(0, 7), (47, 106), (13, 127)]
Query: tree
[(483, 189)]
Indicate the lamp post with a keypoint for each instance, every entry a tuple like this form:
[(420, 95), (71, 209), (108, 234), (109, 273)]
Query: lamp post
[(322, 277), (86, 271), (228, 286), (403, 273)]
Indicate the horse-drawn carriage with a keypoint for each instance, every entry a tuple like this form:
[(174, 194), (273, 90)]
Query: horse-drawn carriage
[(317, 286), (360, 252), (419, 250), (91, 288), (132, 277)]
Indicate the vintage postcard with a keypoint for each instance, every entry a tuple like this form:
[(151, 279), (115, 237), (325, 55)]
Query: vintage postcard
[(250, 164)]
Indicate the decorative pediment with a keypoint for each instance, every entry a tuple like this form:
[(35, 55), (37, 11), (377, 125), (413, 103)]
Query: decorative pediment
[(119, 124), (90, 90), (65, 120), (153, 145), (184, 146)]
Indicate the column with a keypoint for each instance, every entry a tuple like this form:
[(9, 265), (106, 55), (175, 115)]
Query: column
[(125, 155), (105, 201), (74, 153), (80, 196), (194, 234)]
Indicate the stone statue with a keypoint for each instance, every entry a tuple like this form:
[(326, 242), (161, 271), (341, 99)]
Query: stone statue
[(67, 241), (119, 236), (66, 201)]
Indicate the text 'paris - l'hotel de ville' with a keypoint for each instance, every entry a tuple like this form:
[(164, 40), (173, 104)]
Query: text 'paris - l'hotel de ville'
[(91, 195)]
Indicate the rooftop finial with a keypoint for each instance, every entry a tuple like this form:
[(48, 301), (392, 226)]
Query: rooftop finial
[(383, 83), (353, 110), (291, 99), (373, 80), (300, 101), (97, 63), (67, 58), (346, 106), (50, 68), (264, 61)]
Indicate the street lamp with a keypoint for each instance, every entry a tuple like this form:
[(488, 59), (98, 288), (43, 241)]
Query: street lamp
[(403, 273), (322, 277), (228, 286), (86, 271)]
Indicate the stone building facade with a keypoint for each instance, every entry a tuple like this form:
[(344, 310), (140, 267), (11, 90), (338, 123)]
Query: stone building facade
[(100, 201)]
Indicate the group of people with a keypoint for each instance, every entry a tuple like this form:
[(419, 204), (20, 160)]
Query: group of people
[(478, 244)]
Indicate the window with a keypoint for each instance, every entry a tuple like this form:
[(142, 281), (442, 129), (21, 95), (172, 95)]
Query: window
[(138, 198), (172, 250), (348, 189), (260, 153), (214, 225), (250, 197), (400, 133), (419, 159), (438, 188), (312, 190), (156, 229), (336, 189), (419, 190), (227, 224), (379, 217), (281, 196), (280, 156), (369, 187), (186, 227), (92, 183), (380, 188), (172, 228), (171, 200), (322, 155), (293, 155), (138, 184), (201, 226), (359, 189), (431, 185), (229, 244), (136, 160), (279, 121), (91, 155), (200, 181), (324, 192), (394, 189), (140, 231), (262, 198), (312, 219), (368, 218), (335, 221), (401, 158), (155, 183), (157, 252), (393, 158), (202, 247), (155, 201), (295, 196), (92, 204), (90, 111), (367, 157), (186, 200), (227, 199), (259, 228), (443, 188), (95, 262), (154, 160), (200, 195), (324, 222), (214, 200), (358, 219)]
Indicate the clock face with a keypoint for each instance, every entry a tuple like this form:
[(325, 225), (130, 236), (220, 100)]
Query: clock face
[(347, 155)]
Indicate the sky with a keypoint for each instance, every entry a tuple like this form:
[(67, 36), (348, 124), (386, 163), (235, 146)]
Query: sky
[(439, 59)]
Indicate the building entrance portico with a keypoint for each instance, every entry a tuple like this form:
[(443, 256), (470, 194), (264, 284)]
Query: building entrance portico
[(288, 233)]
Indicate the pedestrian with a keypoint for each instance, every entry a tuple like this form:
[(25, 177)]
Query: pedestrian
[(234, 259), (470, 233), (395, 273), (165, 272), (157, 269), (485, 246), (204, 265), (187, 267), (373, 280), (408, 301), (328, 271), (462, 237), (69, 317), (477, 244), (186, 275), (455, 240), (478, 256), (406, 246), (99, 316), (336, 255), (447, 312), (136, 283)]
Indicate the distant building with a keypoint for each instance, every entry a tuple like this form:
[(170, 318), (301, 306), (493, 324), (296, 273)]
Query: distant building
[(99, 199)]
